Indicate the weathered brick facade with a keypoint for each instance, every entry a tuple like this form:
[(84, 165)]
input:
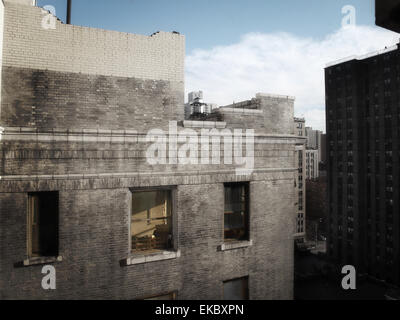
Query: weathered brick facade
[(75, 119)]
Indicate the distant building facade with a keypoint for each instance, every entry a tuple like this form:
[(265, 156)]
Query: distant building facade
[(312, 164), (300, 158), (317, 208), (313, 139), (195, 105), (322, 158), (315, 143), (363, 135)]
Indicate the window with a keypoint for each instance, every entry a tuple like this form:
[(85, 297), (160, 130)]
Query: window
[(151, 222), (236, 289), (42, 231), (236, 214)]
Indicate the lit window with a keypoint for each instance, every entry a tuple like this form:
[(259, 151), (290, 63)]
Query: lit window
[(151, 223)]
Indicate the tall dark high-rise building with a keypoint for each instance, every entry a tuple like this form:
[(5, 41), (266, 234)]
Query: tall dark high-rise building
[(363, 136), (387, 13)]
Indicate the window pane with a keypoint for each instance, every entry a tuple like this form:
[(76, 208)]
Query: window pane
[(234, 220), (151, 225), (236, 211)]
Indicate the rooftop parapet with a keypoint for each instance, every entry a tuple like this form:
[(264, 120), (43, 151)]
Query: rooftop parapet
[(362, 57), (72, 77), (34, 38), (267, 113), (23, 2)]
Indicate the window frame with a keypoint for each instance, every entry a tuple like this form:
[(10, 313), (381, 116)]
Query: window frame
[(173, 219), (247, 218), (30, 213)]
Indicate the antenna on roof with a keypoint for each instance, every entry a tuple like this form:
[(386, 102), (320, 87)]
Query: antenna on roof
[(69, 5)]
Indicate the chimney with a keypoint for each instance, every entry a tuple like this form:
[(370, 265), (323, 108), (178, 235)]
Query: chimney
[(69, 6)]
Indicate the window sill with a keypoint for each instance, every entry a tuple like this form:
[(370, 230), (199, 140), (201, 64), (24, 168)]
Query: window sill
[(41, 260), (235, 245), (152, 257)]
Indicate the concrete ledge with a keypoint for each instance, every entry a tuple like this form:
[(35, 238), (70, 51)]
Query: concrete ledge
[(272, 177), (153, 257), (241, 111), (127, 136), (235, 245), (274, 96), (41, 260), (139, 174), (362, 57), (204, 124)]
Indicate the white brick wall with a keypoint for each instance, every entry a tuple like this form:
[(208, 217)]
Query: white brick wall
[(69, 48), (24, 2)]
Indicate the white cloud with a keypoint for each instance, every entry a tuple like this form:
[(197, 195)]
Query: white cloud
[(279, 63)]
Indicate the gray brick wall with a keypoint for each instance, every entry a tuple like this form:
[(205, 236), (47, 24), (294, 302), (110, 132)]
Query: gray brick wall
[(94, 226), (32, 153), (266, 113), (49, 99), (75, 117)]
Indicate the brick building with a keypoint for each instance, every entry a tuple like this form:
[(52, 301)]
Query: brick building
[(363, 114), (300, 158), (322, 159), (314, 141), (312, 164), (80, 110)]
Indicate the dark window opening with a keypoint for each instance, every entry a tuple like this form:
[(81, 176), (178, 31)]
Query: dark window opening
[(236, 213), (237, 289), (42, 228)]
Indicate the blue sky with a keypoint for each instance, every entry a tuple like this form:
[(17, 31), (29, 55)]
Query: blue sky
[(237, 48), (210, 23)]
